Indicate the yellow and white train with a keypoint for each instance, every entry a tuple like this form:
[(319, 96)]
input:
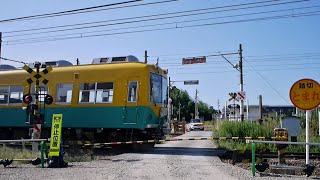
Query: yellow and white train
[(112, 99)]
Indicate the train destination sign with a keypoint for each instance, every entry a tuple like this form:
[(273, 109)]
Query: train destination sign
[(305, 94), (194, 60)]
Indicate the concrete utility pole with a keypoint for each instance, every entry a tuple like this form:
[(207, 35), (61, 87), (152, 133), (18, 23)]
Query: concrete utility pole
[(260, 107), (0, 45), (179, 111), (145, 56), (241, 82), (169, 103), (196, 113)]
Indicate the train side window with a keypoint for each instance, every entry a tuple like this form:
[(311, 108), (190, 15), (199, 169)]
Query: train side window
[(104, 92), (4, 94), (87, 93), (132, 91), (16, 94), (64, 93)]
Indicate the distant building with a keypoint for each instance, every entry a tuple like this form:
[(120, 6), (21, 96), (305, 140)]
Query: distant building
[(6, 67), (233, 113)]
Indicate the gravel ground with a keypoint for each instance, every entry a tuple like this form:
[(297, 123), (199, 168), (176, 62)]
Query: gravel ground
[(171, 160)]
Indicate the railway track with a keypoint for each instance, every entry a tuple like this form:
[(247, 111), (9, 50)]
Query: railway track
[(237, 156)]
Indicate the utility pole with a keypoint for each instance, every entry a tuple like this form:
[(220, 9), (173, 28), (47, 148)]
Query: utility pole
[(0, 45), (241, 82), (145, 56), (196, 113), (260, 107), (179, 111), (169, 103)]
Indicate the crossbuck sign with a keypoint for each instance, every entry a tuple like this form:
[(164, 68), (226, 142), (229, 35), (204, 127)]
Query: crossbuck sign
[(241, 95)]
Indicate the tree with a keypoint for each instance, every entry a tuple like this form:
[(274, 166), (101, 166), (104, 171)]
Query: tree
[(187, 105)]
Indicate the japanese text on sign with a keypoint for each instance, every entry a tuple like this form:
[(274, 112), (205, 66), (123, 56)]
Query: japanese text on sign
[(55, 135), (305, 94), (194, 60)]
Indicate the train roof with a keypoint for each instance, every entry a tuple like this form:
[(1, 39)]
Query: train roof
[(95, 67)]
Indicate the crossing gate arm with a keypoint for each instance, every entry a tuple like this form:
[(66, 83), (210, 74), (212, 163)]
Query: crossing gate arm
[(23, 140), (166, 140)]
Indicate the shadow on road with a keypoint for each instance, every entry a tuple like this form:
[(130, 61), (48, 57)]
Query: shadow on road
[(182, 151)]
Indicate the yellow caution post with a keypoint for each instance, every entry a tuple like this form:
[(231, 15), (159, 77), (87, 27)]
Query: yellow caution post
[(55, 135)]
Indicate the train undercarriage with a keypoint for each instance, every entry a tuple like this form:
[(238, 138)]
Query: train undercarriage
[(93, 135)]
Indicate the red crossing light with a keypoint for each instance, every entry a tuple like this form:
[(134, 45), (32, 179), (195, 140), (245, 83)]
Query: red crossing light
[(27, 98)]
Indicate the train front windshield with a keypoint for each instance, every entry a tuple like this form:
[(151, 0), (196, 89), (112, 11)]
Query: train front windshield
[(158, 88)]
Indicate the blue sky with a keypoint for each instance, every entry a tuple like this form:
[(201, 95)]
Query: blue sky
[(277, 52)]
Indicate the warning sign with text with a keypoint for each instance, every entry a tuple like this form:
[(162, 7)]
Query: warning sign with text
[(55, 135), (305, 94)]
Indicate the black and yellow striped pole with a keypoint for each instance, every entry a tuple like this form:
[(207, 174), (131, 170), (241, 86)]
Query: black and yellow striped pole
[(281, 134)]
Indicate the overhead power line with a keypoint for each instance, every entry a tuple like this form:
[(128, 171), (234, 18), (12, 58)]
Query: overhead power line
[(177, 61), (232, 71), (294, 15), (267, 82), (214, 66), (66, 12), (281, 55), (198, 12)]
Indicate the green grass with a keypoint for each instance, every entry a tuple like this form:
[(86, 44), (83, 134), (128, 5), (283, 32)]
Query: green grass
[(13, 153), (254, 130), (244, 129)]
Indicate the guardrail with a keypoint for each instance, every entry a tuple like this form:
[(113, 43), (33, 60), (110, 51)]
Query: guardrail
[(308, 169)]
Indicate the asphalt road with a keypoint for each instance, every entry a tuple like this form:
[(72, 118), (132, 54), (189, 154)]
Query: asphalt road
[(168, 161), (181, 160)]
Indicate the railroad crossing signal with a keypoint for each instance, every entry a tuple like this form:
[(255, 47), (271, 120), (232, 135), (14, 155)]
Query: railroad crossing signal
[(233, 96), (38, 76), (241, 95), (34, 114)]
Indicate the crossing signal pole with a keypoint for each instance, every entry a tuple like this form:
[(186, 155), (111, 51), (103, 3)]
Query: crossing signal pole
[(34, 114), (241, 82)]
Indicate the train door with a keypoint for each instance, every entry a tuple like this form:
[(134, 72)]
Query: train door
[(132, 101)]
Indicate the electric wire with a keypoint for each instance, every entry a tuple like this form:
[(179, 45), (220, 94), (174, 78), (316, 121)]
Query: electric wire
[(314, 13), (214, 66), (66, 12), (267, 82), (257, 58), (236, 72), (156, 15)]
